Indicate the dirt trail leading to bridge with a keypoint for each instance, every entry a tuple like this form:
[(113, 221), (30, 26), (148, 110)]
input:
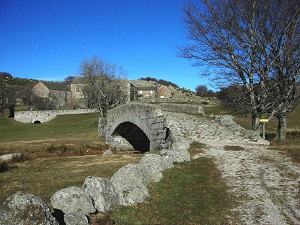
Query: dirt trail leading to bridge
[(265, 182)]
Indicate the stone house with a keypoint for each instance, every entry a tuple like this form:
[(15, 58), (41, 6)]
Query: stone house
[(76, 87), (58, 92), (144, 89), (164, 92)]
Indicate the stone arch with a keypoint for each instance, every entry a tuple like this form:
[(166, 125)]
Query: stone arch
[(142, 118), (130, 127), (37, 122), (134, 135)]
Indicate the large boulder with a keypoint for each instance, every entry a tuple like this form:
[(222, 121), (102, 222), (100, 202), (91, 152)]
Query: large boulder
[(154, 162), (129, 182), (75, 218), (73, 202), (9, 157), (176, 156), (151, 166), (23, 208), (102, 192)]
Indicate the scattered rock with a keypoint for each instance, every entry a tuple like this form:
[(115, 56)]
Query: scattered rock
[(23, 209), (76, 218), (182, 145), (9, 157), (73, 200), (129, 182), (102, 192), (176, 156), (154, 162), (108, 152)]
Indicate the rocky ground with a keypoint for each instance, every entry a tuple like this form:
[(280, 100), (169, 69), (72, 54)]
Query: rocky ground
[(265, 182)]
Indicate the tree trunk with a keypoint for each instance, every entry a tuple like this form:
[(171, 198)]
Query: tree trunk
[(12, 111), (281, 128), (255, 122)]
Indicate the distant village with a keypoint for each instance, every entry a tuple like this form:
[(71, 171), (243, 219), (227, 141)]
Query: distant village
[(71, 95)]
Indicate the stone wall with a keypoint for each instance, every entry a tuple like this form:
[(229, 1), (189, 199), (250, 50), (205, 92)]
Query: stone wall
[(46, 115), (183, 108)]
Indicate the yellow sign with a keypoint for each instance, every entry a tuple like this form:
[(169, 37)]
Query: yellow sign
[(263, 120)]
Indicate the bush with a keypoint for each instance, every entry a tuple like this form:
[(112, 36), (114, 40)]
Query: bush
[(4, 166)]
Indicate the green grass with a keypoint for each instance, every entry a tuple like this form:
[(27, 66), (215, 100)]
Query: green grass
[(12, 130), (65, 134), (191, 193)]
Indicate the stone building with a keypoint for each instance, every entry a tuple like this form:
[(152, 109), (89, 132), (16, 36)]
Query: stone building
[(76, 87), (145, 89), (57, 92), (164, 92)]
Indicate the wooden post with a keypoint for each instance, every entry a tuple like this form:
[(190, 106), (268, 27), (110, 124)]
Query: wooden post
[(264, 121)]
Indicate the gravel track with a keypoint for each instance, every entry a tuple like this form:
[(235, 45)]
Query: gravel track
[(265, 182)]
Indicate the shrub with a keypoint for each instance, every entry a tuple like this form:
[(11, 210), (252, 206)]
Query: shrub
[(4, 166), (233, 148)]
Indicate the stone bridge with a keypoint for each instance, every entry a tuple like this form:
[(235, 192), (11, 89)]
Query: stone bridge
[(140, 126)]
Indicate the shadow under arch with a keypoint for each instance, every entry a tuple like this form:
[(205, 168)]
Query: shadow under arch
[(134, 135), (129, 125)]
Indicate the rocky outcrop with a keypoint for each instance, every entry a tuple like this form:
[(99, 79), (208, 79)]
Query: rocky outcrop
[(23, 209)]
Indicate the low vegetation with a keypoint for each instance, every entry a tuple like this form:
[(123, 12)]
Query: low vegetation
[(51, 152), (64, 151), (233, 148), (191, 193), (196, 148)]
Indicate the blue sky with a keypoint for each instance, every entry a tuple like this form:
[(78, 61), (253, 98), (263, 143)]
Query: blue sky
[(48, 39)]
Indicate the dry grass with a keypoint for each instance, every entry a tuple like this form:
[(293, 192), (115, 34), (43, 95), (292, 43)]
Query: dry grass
[(233, 148), (44, 176), (60, 153)]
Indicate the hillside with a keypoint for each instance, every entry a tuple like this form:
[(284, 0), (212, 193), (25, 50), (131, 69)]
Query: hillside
[(17, 82)]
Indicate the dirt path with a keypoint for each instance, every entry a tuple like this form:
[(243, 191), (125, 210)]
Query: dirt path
[(265, 182)]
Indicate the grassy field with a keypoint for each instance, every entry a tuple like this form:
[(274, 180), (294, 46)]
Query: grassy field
[(64, 151), (191, 193), (65, 134), (58, 154)]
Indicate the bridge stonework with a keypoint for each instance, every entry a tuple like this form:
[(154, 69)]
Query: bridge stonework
[(136, 126)]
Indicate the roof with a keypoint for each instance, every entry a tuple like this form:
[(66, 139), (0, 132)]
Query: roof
[(143, 84), (58, 86), (78, 80)]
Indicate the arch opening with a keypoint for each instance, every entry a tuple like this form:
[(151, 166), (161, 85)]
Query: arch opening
[(134, 135), (37, 122)]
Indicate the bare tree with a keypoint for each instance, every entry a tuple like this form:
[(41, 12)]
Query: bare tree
[(253, 43), (7, 97), (40, 103), (69, 79), (203, 91), (104, 87)]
